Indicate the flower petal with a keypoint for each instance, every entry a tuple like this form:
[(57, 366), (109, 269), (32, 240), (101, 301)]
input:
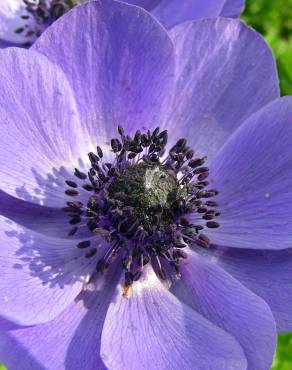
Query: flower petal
[(232, 8), (41, 276), (70, 341), (225, 72), (40, 128), (267, 273), (146, 4), (253, 173), (220, 298), (172, 12), (120, 65), (152, 328), (12, 25), (4, 44), (44, 220)]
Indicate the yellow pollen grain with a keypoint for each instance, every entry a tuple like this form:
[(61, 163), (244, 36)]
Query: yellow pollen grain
[(127, 291)]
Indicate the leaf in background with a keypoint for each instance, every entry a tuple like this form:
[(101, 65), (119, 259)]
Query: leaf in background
[(273, 19)]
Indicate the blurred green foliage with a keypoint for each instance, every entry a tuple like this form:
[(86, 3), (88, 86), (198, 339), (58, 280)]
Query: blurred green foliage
[(273, 19), (283, 358)]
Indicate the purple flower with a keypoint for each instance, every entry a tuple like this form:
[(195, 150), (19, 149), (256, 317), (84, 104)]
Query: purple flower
[(23, 21), (145, 278)]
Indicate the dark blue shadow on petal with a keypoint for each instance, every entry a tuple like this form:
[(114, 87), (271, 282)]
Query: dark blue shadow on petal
[(87, 337), (41, 231), (41, 219), (7, 353)]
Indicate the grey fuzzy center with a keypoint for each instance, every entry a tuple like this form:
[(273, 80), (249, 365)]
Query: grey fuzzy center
[(150, 190)]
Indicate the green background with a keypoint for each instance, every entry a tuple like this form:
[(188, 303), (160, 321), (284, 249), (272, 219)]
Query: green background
[(273, 19)]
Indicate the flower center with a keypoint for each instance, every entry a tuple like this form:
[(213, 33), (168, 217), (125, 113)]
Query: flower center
[(143, 204), (43, 13), (150, 190)]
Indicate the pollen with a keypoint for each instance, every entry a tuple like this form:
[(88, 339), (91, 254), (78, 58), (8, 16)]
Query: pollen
[(127, 290)]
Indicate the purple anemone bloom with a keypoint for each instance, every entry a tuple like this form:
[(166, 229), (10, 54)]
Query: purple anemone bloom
[(23, 21), (122, 245)]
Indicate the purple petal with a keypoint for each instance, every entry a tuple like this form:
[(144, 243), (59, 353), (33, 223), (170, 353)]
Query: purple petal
[(44, 220), (120, 65), (168, 12), (70, 341), (153, 328), (267, 273), (172, 12), (232, 8), (11, 21), (253, 174), (40, 128), (225, 72), (146, 4), (4, 44), (220, 298), (41, 275)]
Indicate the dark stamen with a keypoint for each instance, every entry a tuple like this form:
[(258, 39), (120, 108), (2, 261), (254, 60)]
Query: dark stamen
[(140, 203), (84, 244), (72, 231), (44, 13), (79, 174), (72, 184), (91, 253), (72, 193)]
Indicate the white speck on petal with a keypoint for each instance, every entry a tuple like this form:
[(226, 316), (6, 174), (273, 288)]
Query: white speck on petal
[(5, 298)]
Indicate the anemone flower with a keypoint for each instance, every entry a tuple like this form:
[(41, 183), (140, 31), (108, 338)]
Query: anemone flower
[(145, 196), (23, 21)]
